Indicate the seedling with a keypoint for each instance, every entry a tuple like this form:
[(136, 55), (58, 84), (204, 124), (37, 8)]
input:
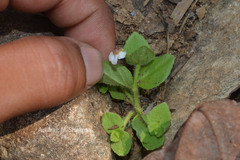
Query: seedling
[(149, 72)]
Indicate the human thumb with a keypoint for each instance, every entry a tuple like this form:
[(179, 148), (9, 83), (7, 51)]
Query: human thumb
[(41, 72)]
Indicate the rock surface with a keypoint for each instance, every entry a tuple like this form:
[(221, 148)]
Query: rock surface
[(213, 71), (71, 131)]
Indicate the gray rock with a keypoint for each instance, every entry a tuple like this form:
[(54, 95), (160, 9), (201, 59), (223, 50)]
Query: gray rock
[(71, 131), (213, 71)]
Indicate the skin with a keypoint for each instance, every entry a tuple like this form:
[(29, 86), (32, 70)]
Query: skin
[(40, 72)]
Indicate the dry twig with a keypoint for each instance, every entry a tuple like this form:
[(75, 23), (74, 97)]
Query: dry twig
[(188, 14)]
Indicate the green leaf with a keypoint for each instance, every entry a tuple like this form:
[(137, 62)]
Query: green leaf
[(116, 135), (139, 126), (121, 142), (134, 42), (148, 141), (159, 119), (155, 72), (138, 50), (156, 129), (116, 94), (116, 75), (141, 56), (160, 113), (152, 142), (111, 122), (102, 88)]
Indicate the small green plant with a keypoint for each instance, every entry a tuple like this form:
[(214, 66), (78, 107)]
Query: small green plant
[(149, 72)]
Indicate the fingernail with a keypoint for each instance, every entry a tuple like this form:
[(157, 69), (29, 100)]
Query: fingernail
[(93, 64)]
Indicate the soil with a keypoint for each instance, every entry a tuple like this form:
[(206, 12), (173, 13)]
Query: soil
[(169, 27)]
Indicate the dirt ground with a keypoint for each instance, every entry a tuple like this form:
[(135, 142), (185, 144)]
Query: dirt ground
[(169, 27)]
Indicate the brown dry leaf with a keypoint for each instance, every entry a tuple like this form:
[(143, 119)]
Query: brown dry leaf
[(211, 132)]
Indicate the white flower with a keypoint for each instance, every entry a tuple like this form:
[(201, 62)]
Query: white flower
[(115, 55)]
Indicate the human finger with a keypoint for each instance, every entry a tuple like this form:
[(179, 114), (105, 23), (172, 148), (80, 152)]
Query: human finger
[(89, 21), (40, 72)]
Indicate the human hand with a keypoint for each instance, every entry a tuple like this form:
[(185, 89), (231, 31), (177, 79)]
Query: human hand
[(39, 72)]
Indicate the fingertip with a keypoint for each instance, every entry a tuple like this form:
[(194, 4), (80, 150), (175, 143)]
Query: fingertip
[(94, 65)]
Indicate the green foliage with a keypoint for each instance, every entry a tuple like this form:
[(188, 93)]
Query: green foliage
[(159, 119), (141, 56), (156, 72), (121, 142), (102, 88), (149, 72), (151, 132), (134, 42), (116, 93), (138, 50), (116, 75), (111, 121), (150, 142)]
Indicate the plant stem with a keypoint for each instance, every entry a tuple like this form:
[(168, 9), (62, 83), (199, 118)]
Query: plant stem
[(136, 104), (129, 95), (128, 117)]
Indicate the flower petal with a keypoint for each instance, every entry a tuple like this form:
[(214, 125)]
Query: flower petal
[(111, 56), (114, 61), (122, 54)]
